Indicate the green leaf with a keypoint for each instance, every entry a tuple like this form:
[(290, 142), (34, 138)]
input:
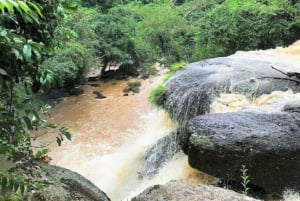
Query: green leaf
[(16, 186), (17, 54), (24, 6), (49, 78), (8, 5), (27, 52), (22, 188), (3, 33), (41, 153), (48, 125), (36, 8), (36, 116), (58, 140), (11, 184), (4, 182), (3, 72), (64, 131), (3, 149), (18, 40), (27, 122)]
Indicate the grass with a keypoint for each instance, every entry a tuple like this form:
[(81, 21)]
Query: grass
[(157, 95)]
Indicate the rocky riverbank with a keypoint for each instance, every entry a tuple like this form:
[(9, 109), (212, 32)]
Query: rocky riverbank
[(262, 136)]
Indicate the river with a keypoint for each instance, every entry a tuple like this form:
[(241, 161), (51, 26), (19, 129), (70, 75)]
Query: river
[(111, 136)]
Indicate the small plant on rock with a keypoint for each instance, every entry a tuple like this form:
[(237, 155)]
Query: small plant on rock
[(157, 95), (245, 180)]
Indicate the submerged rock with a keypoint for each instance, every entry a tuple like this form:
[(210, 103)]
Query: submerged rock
[(182, 191), (163, 150), (99, 95), (76, 91), (267, 144), (60, 184)]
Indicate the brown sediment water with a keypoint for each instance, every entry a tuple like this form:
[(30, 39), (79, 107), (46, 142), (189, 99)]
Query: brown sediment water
[(110, 137)]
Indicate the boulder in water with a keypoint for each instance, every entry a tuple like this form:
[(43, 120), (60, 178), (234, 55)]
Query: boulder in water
[(76, 91), (218, 144), (163, 150), (99, 95), (182, 191), (267, 144)]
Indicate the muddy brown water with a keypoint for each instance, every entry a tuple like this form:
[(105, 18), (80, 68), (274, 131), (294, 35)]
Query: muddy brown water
[(110, 137)]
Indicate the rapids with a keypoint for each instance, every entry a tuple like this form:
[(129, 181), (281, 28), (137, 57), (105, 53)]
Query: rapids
[(110, 139), (111, 136)]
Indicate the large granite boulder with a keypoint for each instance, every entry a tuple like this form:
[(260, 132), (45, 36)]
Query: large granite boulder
[(60, 184), (267, 144), (191, 91), (182, 191)]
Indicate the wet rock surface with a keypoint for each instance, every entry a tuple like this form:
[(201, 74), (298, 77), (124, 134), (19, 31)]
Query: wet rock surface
[(267, 144), (163, 150), (191, 91), (182, 191), (60, 184)]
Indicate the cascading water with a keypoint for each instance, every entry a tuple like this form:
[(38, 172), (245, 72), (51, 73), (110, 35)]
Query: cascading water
[(124, 145), (121, 143)]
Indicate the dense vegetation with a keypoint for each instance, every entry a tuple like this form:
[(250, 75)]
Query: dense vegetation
[(52, 43)]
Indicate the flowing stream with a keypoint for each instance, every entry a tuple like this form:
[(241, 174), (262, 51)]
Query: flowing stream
[(111, 137)]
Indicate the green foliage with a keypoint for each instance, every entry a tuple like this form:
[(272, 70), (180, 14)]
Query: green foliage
[(159, 33), (246, 25), (41, 153), (115, 30), (75, 45), (177, 66), (11, 197), (245, 179), (157, 95), (10, 184), (23, 42)]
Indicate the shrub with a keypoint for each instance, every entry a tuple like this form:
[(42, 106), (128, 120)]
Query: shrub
[(177, 66), (157, 95)]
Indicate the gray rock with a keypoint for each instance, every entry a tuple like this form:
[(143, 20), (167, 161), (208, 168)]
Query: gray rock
[(76, 91), (292, 107), (218, 144), (99, 95), (268, 144), (60, 184), (181, 191), (191, 91), (163, 150)]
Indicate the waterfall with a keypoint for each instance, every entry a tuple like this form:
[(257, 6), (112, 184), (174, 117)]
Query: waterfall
[(122, 144)]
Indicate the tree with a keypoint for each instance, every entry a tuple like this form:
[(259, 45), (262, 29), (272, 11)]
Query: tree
[(23, 46), (115, 31)]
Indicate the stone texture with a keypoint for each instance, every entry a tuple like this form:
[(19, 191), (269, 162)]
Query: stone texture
[(218, 144), (268, 144), (191, 91), (182, 191), (60, 184)]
